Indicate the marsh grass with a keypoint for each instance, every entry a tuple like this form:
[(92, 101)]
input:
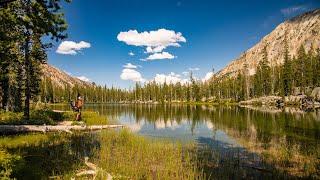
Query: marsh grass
[(37, 117), (288, 158), (94, 118), (40, 156), (129, 156), (122, 154), (50, 117)]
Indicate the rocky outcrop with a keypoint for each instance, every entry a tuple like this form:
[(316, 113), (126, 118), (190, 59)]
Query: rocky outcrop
[(316, 94), (301, 30), (265, 100)]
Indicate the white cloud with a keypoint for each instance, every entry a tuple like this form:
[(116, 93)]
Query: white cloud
[(131, 53), (155, 50), (194, 69), (160, 37), (131, 74), (154, 41), (207, 76), (163, 55), (130, 66), (185, 73), (171, 78), (72, 48), (292, 10), (83, 78)]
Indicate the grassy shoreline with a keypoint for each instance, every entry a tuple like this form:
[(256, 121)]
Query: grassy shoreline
[(122, 154), (49, 117)]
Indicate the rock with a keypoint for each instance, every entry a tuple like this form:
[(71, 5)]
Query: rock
[(316, 94), (61, 79), (294, 99), (265, 100), (301, 30)]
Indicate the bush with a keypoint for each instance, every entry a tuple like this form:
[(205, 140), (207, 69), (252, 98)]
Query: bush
[(7, 163)]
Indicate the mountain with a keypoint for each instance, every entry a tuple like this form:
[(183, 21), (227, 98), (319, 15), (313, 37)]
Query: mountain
[(301, 30), (61, 79)]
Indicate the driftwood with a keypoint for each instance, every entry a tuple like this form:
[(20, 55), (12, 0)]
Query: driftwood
[(58, 128), (93, 170)]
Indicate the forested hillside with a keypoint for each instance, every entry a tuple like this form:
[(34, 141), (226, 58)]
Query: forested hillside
[(285, 62)]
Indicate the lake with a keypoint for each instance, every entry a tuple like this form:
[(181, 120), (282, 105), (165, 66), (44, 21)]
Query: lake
[(254, 141)]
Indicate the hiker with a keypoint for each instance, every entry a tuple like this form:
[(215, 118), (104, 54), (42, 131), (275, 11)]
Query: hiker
[(77, 106)]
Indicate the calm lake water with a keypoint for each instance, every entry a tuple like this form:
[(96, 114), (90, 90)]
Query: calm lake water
[(220, 123), (238, 136), (253, 142)]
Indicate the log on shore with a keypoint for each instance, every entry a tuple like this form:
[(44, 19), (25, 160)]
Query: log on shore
[(4, 129)]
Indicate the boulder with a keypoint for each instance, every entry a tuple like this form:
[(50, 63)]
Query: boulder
[(316, 94), (294, 99)]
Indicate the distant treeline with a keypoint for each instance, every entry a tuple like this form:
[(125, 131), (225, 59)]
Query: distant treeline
[(301, 71)]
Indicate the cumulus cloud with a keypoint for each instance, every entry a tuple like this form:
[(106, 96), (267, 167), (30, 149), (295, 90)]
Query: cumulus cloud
[(154, 41), (131, 53), (171, 78), (292, 10), (155, 50), (160, 37), (207, 77), (130, 66), (71, 47), (163, 55), (131, 74), (83, 78)]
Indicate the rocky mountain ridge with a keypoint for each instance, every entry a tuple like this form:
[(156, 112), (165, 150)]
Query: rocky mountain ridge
[(301, 30), (61, 79)]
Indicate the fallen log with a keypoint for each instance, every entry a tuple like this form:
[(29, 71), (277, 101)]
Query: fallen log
[(4, 129)]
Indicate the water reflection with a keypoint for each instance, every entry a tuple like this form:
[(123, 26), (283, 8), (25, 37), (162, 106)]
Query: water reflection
[(289, 139), (157, 119)]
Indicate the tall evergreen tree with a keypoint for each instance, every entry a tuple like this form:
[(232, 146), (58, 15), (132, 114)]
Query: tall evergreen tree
[(40, 18), (286, 71), (262, 80)]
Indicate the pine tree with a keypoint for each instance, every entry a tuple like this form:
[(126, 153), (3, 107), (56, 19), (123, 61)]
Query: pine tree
[(309, 68), (40, 18), (300, 68), (316, 73), (286, 71)]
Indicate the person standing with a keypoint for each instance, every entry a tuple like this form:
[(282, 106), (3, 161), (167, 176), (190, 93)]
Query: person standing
[(78, 107)]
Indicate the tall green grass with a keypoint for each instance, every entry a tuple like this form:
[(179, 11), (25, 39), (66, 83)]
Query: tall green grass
[(37, 117), (50, 117), (129, 156)]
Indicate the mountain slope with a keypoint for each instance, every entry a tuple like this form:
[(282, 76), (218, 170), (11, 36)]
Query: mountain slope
[(301, 30), (61, 79)]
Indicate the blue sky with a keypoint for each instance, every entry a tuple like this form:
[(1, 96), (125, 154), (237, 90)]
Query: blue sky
[(209, 33)]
